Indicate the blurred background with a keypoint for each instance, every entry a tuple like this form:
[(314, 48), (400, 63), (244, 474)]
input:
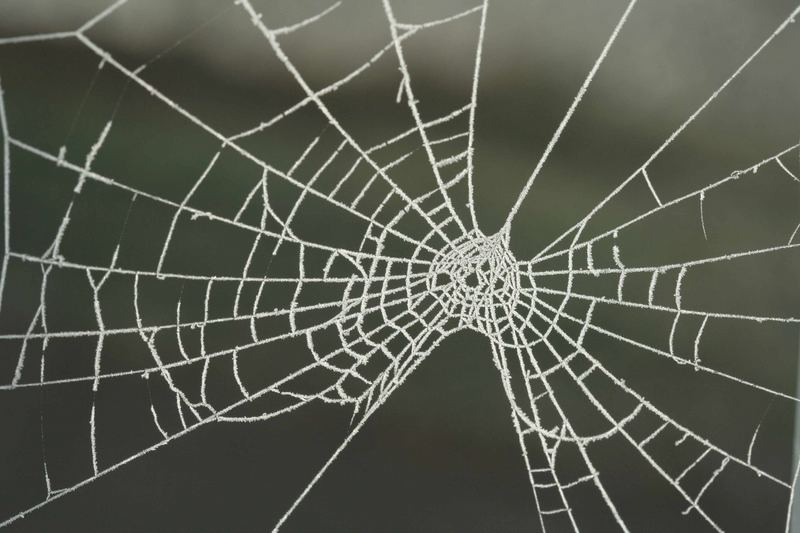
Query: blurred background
[(442, 454)]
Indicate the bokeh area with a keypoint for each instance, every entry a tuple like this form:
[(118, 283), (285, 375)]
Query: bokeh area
[(442, 454)]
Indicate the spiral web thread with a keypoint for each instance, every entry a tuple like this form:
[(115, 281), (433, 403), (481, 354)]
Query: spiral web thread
[(390, 300)]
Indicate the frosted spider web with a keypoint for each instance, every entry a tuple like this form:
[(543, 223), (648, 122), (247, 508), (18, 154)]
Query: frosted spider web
[(369, 310)]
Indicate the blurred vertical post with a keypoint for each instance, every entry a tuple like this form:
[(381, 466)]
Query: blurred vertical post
[(794, 525)]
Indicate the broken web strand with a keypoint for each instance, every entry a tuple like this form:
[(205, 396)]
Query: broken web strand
[(54, 252)]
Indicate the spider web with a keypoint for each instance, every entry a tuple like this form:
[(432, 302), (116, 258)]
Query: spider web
[(360, 310)]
